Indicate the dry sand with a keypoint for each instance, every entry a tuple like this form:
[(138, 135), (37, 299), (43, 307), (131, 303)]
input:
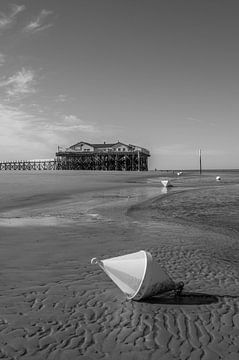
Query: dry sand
[(55, 305)]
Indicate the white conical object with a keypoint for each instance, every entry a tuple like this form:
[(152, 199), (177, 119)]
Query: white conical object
[(218, 178), (166, 183), (137, 274)]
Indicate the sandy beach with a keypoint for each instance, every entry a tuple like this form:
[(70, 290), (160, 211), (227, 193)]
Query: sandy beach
[(55, 305)]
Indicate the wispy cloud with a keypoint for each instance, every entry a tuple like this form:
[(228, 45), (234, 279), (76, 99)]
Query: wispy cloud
[(61, 98), (24, 132), (19, 84), (12, 114), (40, 23), (16, 9), (2, 59), (6, 20), (72, 123), (20, 134)]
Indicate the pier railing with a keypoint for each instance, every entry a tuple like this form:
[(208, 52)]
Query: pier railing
[(51, 164)]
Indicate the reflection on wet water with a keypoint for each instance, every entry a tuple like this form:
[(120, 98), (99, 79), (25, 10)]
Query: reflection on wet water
[(112, 205), (192, 200), (216, 206), (34, 221), (86, 208), (164, 190)]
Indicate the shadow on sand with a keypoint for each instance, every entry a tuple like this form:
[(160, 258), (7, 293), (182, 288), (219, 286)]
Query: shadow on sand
[(186, 298)]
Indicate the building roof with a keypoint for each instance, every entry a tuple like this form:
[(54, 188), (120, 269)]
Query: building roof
[(102, 145)]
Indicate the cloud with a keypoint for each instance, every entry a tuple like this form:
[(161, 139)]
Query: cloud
[(13, 126), (2, 59), (40, 23), (16, 9), (11, 114), (71, 123), (4, 21), (27, 134), (7, 20), (61, 98), (19, 84), (22, 135)]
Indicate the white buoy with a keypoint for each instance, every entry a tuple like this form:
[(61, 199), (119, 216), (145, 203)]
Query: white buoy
[(218, 178), (166, 183), (137, 275)]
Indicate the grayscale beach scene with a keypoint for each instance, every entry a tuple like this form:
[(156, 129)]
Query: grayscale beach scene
[(119, 180)]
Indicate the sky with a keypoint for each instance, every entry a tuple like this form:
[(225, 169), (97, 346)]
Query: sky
[(161, 74)]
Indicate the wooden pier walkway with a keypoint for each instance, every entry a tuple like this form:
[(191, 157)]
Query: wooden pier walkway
[(51, 164)]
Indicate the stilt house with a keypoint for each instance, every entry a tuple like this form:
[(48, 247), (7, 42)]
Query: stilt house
[(113, 156)]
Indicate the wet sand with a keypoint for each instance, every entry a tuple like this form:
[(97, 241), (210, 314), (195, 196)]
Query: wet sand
[(55, 305)]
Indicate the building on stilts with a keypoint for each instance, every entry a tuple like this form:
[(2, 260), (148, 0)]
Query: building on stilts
[(107, 156)]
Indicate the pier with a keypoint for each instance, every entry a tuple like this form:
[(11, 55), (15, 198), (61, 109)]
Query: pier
[(51, 164), (85, 156), (110, 162)]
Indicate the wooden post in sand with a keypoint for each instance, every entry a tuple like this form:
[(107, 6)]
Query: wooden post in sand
[(200, 162)]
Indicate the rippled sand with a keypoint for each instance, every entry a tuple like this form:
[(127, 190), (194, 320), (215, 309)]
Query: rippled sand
[(55, 305)]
